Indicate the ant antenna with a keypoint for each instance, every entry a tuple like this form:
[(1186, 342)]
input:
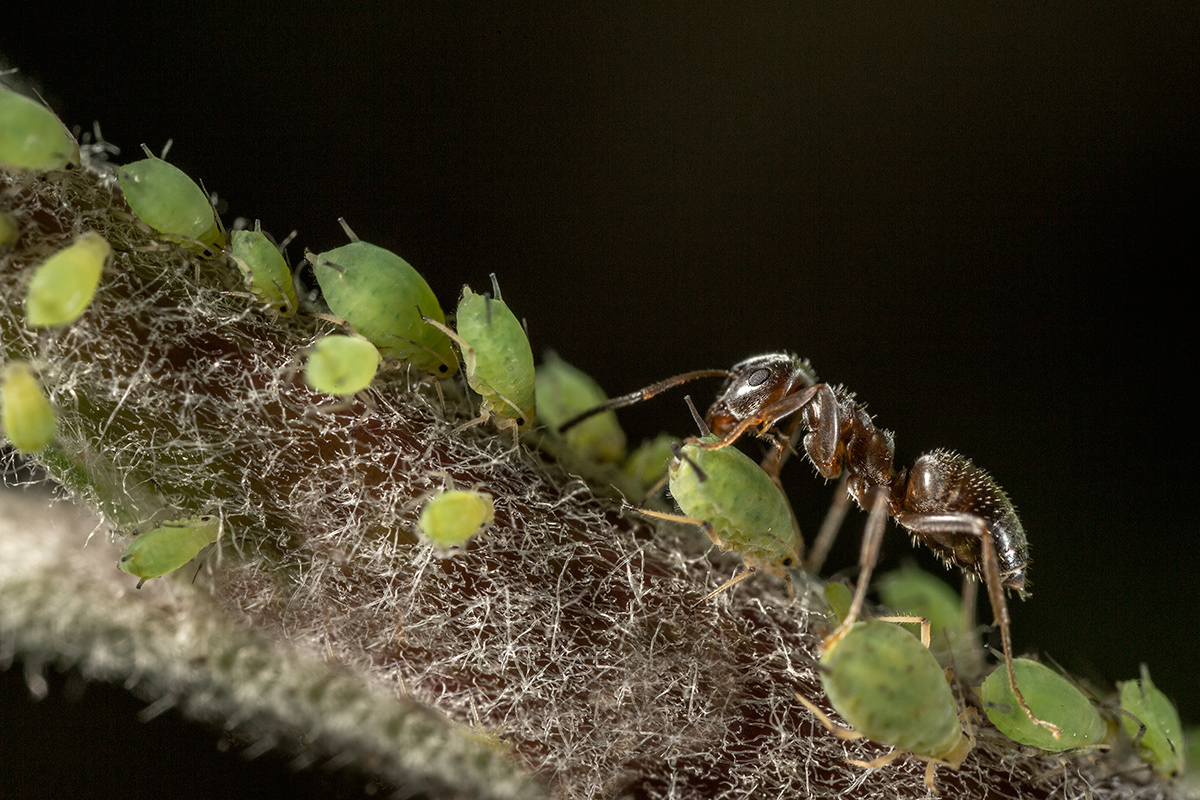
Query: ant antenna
[(644, 394)]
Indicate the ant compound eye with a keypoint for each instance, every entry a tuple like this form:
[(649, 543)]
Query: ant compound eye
[(759, 377)]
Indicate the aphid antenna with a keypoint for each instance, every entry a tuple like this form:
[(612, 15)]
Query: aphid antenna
[(648, 392)]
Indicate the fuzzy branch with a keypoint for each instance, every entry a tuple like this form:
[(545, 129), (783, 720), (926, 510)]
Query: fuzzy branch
[(560, 650)]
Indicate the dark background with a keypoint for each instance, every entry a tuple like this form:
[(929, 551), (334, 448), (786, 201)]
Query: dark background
[(978, 219)]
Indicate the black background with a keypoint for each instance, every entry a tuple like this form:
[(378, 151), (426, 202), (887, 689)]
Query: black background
[(979, 219)]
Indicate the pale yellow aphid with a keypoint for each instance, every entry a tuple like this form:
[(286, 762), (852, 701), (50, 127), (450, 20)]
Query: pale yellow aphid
[(341, 365), (451, 518), (63, 285), (169, 546), (29, 420)]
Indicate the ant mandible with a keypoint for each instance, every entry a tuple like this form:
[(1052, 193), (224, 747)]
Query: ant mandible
[(952, 506)]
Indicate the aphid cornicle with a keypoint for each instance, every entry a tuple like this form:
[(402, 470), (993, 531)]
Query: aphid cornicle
[(62, 286), (32, 137), (382, 297), (341, 365), (169, 546), (884, 682), (29, 420), (1053, 698), (266, 271), (738, 505), (453, 517), (560, 392), (1160, 744), (165, 198), (496, 356)]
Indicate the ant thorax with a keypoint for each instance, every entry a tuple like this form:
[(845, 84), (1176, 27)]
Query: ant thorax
[(754, 385)]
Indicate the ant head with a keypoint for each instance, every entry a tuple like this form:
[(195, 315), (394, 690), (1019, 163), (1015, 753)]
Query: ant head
[(755, 384)]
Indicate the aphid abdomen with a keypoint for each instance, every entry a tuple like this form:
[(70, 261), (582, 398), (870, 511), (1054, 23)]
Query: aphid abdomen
[(746, 509), (942, 483), (502, 372), (886, 684), (164, 197), (168, 547), (1052, 698), (379, 294), (32, 137), (30, 422)]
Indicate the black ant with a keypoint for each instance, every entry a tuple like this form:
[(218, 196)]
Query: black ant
[(944, 500)]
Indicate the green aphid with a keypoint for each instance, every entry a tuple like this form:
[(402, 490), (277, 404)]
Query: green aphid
[(32, 137), (738, 506), (9, 229), (1053, 698), (451, 518), (382, 297), (497, 358), (341, 365), (884, 682), (29, 420), (166, 199), (562, 391), (911, 590), (648, 463), (169, 546), (839, 596), (1161, 743), (265, 269), (62, 286)]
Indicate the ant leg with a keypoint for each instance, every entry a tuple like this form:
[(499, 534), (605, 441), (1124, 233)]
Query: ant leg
[(947, 526), (868, 557), (830, 527)]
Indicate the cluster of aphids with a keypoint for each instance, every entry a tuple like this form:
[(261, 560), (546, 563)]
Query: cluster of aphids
[(879, 676)]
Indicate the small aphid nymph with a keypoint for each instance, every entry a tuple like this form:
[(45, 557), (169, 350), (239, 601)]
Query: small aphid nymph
[(453, 517), (165, 198), (169, 546), (341, 365), (649, 461), (382, 297), (29, 420), (266, 271), (62, 287), (32, 137)]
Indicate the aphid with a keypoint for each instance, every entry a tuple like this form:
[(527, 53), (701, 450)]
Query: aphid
[(910, 590), (341, 365), (648, 463), (560, 392), (166, 199), (8, 229), (169, 546), (32, 137), (497, 358), (382, 297), (29, 420), (1053, 698), (451, 518), (266, 272), (1161, 743), (884, 682), (952, 506), (63, 285), (738, 506)]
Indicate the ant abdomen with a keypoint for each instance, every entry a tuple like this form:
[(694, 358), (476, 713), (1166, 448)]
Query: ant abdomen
[(946, 495)]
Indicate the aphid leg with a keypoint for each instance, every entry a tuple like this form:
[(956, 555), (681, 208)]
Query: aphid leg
[(837, 730), (905, 619), (868, 557), (944, 525), (734, 581), (829, 527)]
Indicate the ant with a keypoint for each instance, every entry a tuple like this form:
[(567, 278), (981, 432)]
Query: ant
[(952, 506)]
